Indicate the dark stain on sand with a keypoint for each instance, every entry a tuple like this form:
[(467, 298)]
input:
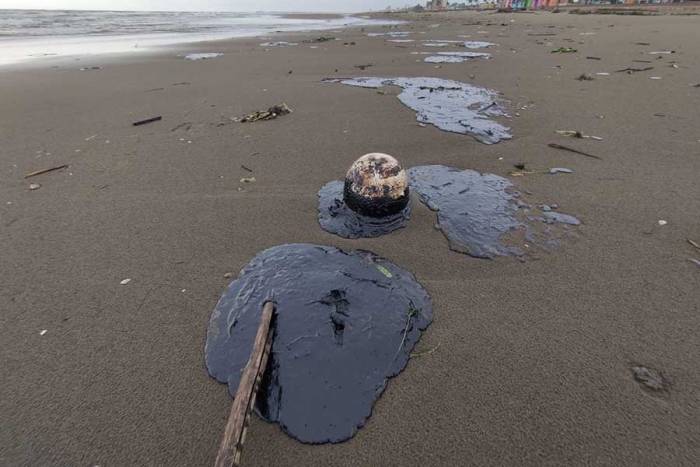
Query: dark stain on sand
[(346, 322)]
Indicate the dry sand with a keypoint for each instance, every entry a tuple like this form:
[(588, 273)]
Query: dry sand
[(534, 364)]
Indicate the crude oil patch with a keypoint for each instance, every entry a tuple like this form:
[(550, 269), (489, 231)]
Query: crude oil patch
[(477, 44), (335, 216), (449, 105), (346, 322), (455, 57), (202, 56), (475, 212)]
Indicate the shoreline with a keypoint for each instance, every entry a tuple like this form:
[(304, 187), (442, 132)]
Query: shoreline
[(26, 49)]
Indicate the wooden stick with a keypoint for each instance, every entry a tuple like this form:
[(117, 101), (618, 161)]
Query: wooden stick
[(43, 171), (576, 151), (234, 436)]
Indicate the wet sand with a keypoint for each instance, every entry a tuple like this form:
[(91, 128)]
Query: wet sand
[(535, 359)]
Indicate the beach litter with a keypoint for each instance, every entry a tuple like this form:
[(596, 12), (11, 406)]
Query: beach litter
[(346, 322), (564, 50), (663, 52), (560, 170), (91, 68), (246, 168), (318, 40), (248, 180), (148, 120), (34, 186), (663, 222), (43, 171), (634, 70), (269, 114), (449, 105), (577, 134), (585, 77), (363, 67), (593, 58), (125, 281), (279, 44), (202, 56), (575, 151)]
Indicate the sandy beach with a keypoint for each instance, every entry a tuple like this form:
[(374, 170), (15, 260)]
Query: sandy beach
[(535, 357)]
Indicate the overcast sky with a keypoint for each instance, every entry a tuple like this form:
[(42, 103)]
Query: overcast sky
[(209, 5)]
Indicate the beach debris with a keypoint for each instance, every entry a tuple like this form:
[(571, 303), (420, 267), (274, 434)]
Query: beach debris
[(694, 261), (634, 70), (449, 105), (643, 61), (34, 186), (384, 271), (248, 180), (318, 40), (125, 281), (593, 58), (564, 50), (348, 43), (279, 44), (92, 137), (400, 40), (576, 151), (269, 114), (585, 77), (246, 168), (91, 68), (663, 52), (655, 77), (695, 244), (363, 67), (519, 166), (642, 43), (43, 332), (663, 222), (603, 74), (43, 171), (154, 89), (227, 275), (202, 56), (577, 134), (339, 322), (373, 199), (475, 210), (650, 378), (181, 84), (560, 170), (148, 120)]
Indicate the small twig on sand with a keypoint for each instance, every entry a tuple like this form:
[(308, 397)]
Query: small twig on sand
[(427, 352), (576, 151), (695, 244), (246, 168), (148, 120), (43, 171)]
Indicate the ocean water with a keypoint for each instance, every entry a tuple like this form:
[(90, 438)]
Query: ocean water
[(33, 34)]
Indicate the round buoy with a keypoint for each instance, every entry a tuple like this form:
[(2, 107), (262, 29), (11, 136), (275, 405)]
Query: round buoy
[(376, 185)]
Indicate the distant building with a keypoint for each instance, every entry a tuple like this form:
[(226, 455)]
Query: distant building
[(436, 5)]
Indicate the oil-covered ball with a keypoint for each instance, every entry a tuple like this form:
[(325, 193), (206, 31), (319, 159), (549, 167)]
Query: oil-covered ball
[(376, 186)]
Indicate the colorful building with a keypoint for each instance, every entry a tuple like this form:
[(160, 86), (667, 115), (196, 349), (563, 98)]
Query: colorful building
[(528, 4)]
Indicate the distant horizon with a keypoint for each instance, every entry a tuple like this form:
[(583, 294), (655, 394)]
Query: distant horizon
[(277, 12)]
